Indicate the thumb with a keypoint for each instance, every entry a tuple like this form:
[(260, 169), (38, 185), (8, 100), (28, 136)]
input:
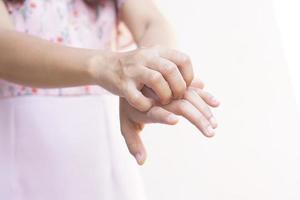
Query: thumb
[(131, 134)]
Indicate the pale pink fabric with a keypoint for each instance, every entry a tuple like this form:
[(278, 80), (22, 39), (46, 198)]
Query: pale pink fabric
[(64, 144), (64, 148)]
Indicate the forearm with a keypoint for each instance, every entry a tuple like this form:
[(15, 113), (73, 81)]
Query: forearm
[(147, 24), (158, 32), (35, 62)]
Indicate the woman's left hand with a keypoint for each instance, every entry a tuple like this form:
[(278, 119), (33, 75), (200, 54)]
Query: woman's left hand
[(194, 107)]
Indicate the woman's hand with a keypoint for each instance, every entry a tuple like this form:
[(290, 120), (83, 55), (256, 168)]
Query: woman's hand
[(194, 107), (167, 72)]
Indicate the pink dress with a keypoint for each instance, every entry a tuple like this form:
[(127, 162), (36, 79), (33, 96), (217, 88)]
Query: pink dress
[(64, 143)]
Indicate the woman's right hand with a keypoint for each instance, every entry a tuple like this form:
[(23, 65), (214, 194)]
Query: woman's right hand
[(167, 72)]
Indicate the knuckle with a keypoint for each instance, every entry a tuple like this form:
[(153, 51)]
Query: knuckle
[(134, 99), (187, 94), (148, 53), (137, 72), (207, 112), (166, 100), (192, 91), (142, 50), (156, 47), (155, 110), (182, 105), (156, 77), (142, 54), (204, 122), (152, 112), (173, 54), (186, 58), (180, 91), (170, 69), (123, 87)]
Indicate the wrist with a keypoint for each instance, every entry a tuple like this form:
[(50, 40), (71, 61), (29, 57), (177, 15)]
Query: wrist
[(102, 70)]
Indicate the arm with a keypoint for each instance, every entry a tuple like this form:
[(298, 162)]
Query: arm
[(35, 62)]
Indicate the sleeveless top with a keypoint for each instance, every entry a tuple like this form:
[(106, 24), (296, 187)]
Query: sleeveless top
[(68, 22)]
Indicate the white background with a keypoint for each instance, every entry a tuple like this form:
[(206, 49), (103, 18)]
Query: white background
[(242, 50), (288, 19)]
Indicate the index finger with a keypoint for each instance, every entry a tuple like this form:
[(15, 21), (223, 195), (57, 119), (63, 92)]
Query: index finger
[(182, 61)]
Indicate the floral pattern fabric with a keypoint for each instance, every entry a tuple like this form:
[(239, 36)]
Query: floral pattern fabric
[(68, 22)]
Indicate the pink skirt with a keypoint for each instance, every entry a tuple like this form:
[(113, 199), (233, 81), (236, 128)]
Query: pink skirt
[(64, 148)]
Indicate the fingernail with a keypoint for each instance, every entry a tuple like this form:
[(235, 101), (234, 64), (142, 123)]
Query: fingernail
[(139, 158), (210, 131), (172, 118), (213, 122), (215, 99)]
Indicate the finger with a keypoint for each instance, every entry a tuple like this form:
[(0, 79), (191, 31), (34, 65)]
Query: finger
[(133, 141), (136, 99), (201, 105), (158, 84), (197, 83), (188, 111), (171, 73), (207, 97), (156, 114), (148, 92), (182, 61), (159, 115)]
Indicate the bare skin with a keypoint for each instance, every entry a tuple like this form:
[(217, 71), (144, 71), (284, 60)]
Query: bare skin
[(195, 107), (155, 64), (149, 27)]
